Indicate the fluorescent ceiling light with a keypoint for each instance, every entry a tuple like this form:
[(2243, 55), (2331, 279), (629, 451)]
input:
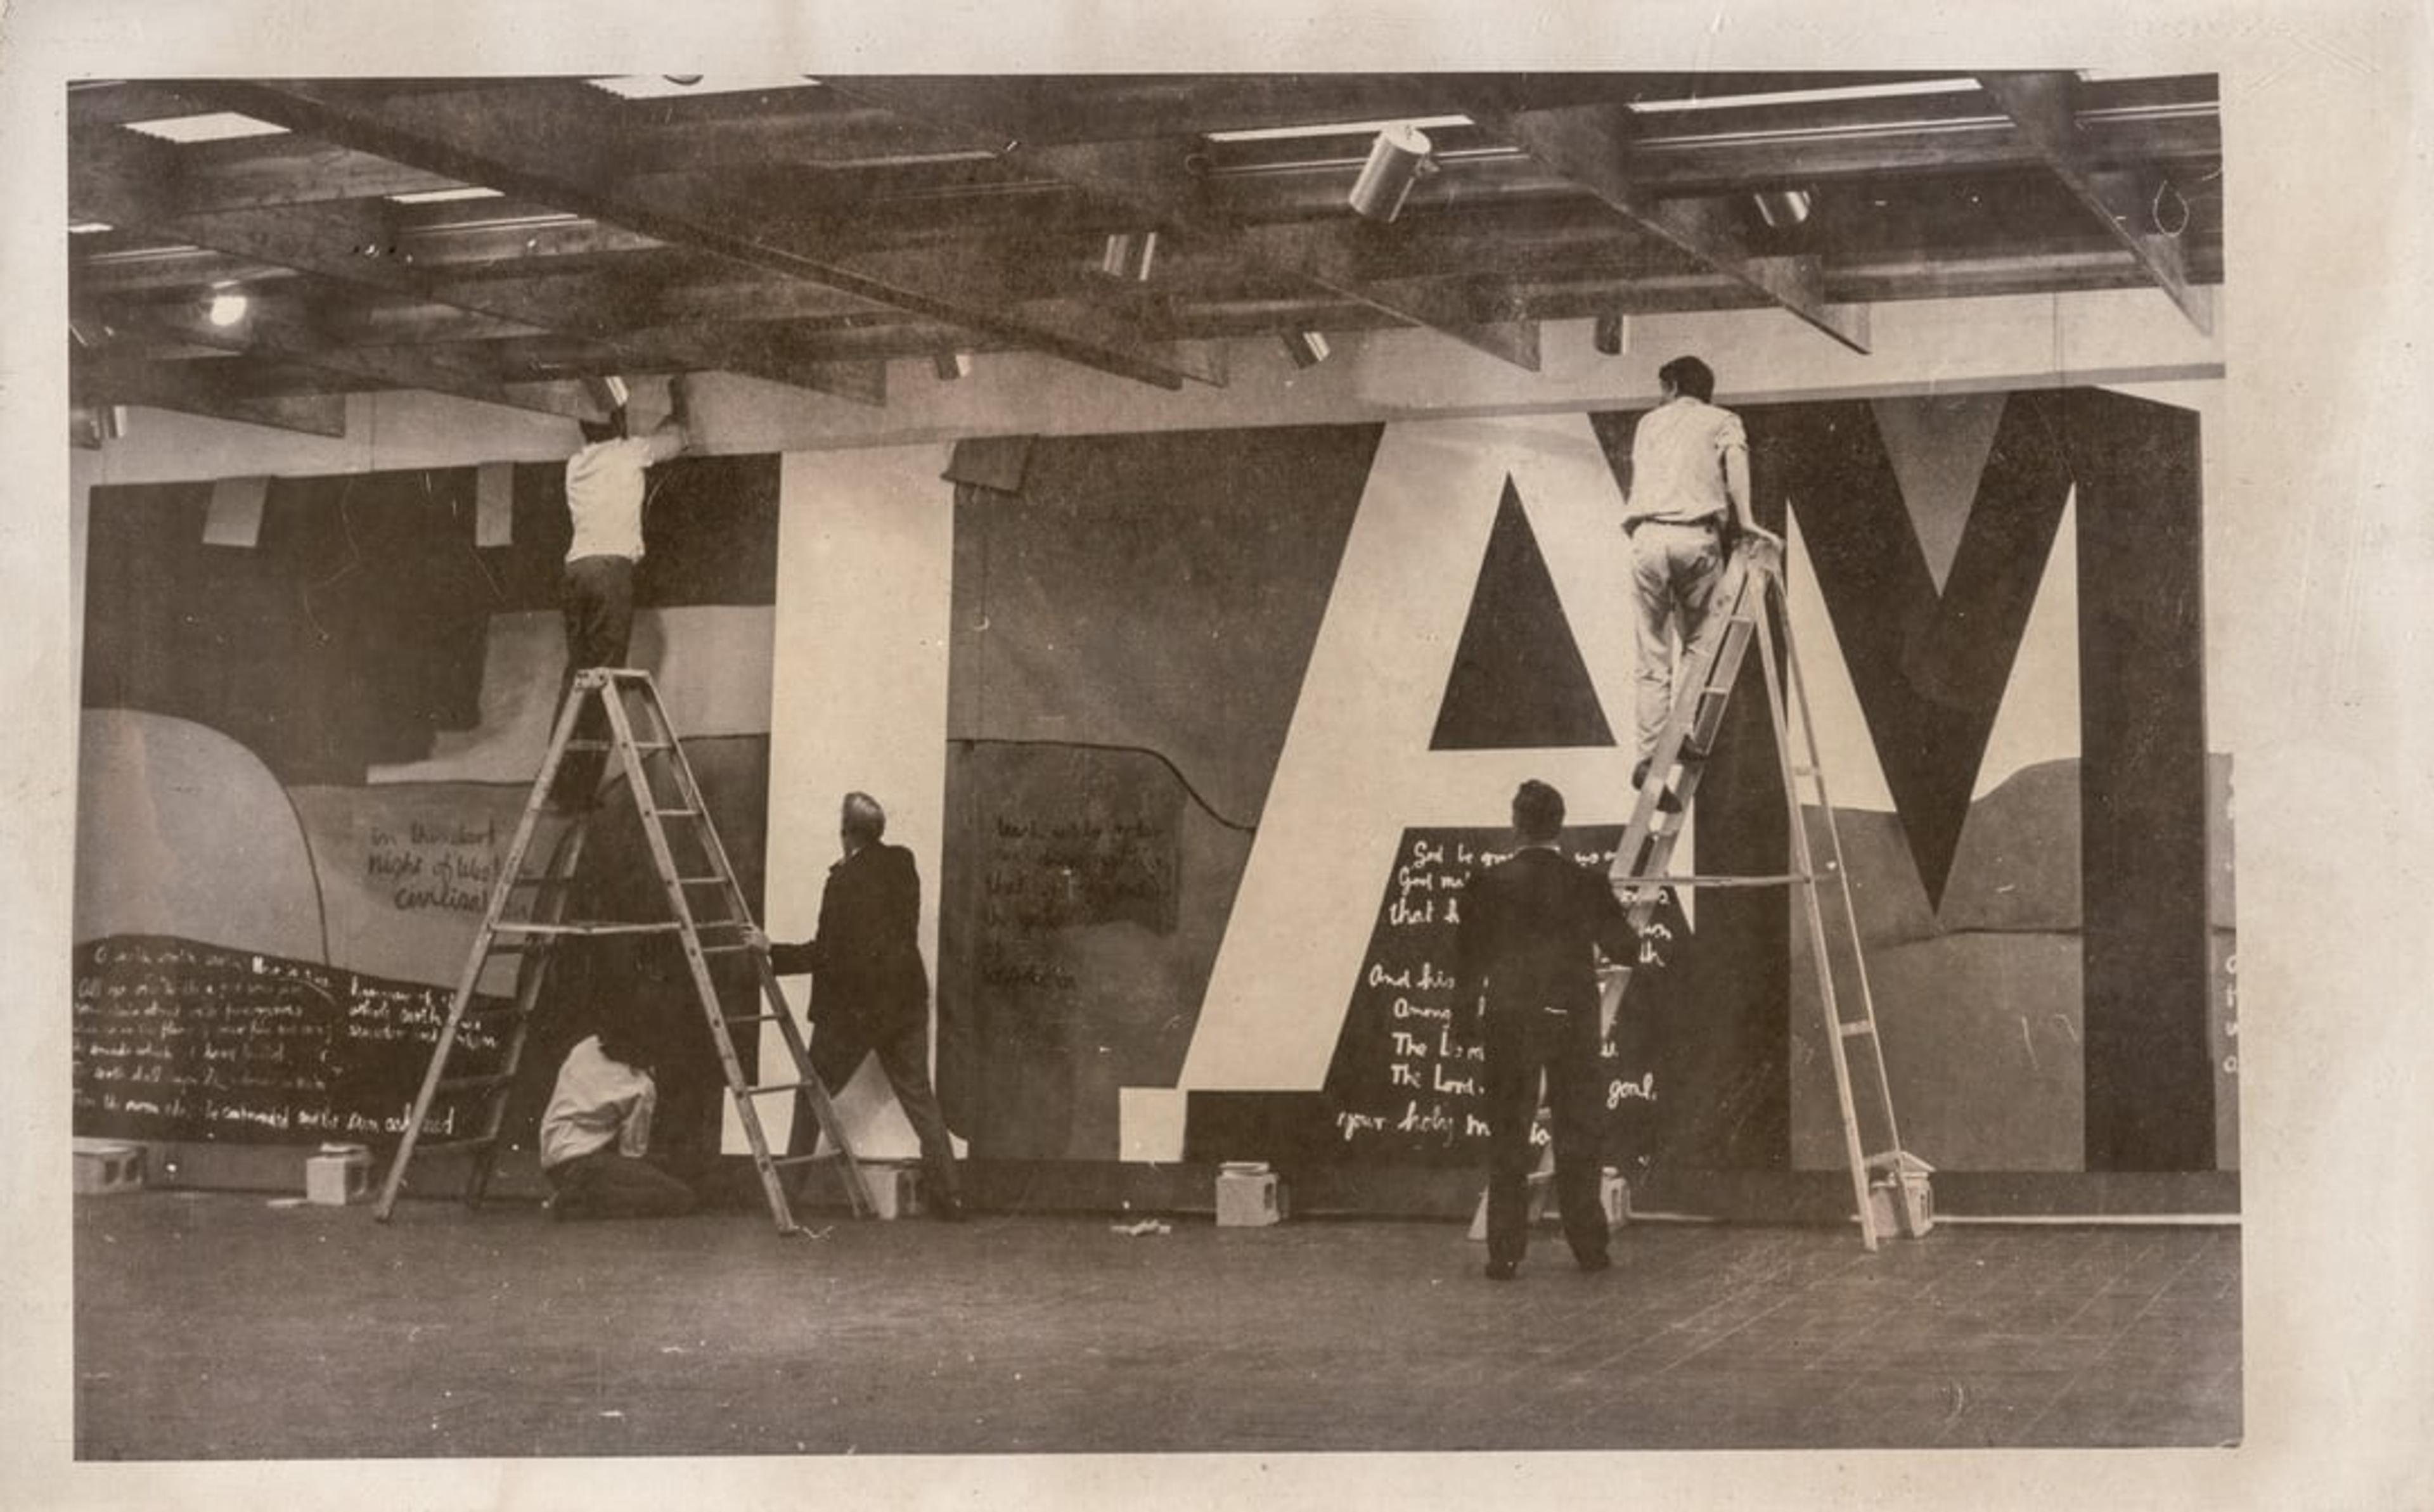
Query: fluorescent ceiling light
[(87, 228), (1841, 92), (664, 86), (1338, 128), (220, 125), (439, 197)]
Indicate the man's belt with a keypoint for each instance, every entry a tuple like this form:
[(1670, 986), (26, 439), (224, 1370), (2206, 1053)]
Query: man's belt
[(1713, 524)]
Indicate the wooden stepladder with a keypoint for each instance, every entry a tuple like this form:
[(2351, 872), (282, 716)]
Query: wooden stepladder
[(615, 713), (1750, 594)]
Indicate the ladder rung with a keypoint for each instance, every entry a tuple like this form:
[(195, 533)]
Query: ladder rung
[(724, 950), (1886, 1157), (1702, 880), (753, 1018), (441, 1146), (767, 1088), (673, 813), (494, 1078), (1853, 1028), (720, 924), (663, 926), (699, 882), (802, 1160)]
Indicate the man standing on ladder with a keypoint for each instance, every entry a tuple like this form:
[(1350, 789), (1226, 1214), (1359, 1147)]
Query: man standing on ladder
[(1689, 489), (604, 503), (870, 994)]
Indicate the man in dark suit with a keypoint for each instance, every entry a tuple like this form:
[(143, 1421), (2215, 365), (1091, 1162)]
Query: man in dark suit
[(1526, 952), (869, 992)]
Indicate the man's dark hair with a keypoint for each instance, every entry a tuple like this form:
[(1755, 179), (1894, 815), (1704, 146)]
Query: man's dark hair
[(629, 1037), (861, 818), (1537, 811), (1688, 375), (611, 428)]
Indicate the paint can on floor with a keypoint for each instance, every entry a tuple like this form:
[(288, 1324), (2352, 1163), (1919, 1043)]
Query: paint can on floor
[(1249, 1195), (336, 1174), (893, 1188), (105, 1165), (1614, 1194)]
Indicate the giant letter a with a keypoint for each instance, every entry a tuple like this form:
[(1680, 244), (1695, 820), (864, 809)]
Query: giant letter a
[(1357, 768)]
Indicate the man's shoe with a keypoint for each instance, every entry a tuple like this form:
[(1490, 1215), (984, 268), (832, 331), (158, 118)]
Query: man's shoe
[(1667, 802), (1502, 1270)]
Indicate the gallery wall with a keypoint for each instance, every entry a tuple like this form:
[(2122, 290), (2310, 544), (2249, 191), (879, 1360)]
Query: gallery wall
[(1241, 690)]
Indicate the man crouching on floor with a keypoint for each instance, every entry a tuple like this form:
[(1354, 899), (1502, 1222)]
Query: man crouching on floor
[(596, 1132)]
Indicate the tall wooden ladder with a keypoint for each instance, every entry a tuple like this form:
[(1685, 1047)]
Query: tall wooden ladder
[(612, 713), (1889, 1185)]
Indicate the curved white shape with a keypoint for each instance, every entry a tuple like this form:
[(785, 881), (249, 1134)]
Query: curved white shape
[(182, 831)]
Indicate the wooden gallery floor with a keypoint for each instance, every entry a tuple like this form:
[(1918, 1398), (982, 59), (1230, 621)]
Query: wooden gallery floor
[(215, 1325)]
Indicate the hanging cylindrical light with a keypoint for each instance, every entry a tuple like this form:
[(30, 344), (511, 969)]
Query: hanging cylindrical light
[(1307, 348), (1396, 160), (1783, 208), (1129, 255)]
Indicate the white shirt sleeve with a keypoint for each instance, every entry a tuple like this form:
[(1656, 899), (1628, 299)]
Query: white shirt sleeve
[(634, 1139)]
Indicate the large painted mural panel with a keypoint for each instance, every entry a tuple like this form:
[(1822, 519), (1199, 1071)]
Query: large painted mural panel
[(1953, 563), (304, 760)]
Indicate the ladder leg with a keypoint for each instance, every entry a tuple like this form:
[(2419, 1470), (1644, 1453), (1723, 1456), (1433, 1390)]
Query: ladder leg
[(477, 960), (532, 980), (1803, 865), (1799, 688), (814, 1092), (712, 851)]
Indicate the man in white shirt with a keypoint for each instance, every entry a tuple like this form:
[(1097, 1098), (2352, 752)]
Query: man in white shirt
[(1690, 485), (596, 1131), (604, 502)]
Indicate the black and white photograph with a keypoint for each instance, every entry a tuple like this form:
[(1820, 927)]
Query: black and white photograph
[(1365, 767)]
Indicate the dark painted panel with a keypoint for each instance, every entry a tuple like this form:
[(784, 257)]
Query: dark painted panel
[(1519, 682), (1144, 610), (2151, 1068), (353, 632)]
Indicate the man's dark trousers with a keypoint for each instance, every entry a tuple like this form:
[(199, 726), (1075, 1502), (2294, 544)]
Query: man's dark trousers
[(837, 1050), (1521, 1043)]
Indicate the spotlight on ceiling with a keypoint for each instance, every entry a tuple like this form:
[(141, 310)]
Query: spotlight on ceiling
[(1307, 348), (1397, 159), (1613, 333), (950, 366), (607, 392), (89, 425), (1782, 209), (228, 307), (1129, 255)]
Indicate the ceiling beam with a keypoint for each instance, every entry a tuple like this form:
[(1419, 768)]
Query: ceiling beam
[(130, 183), (275, 334), (561, 146), (1156, 178), (187, 389), (1330, 257), (2044, 107), (1591, 146)]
